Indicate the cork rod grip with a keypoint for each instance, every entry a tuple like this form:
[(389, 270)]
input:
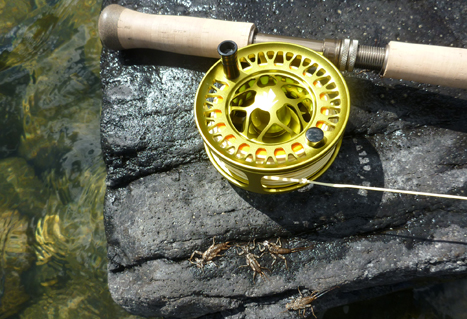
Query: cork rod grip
[(121, 28), (431, 64)]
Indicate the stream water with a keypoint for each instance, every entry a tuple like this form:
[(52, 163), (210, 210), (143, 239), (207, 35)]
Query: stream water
[(52, 176)]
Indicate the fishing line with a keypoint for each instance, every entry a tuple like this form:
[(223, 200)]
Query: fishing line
[(370, 188)]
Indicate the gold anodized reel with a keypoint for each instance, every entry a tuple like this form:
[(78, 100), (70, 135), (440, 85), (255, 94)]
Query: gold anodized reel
[(255, 126)]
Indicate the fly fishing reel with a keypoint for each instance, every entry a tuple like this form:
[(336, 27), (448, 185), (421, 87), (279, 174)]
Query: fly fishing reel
[(271, 112)]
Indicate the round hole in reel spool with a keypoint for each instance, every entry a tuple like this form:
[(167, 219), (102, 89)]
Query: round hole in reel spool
[(255, 126)]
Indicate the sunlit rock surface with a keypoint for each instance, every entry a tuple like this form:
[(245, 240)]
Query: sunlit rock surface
[(165, 200)]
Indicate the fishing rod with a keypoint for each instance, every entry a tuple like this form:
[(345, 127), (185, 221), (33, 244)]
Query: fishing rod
[(122, 28), (272, 111)]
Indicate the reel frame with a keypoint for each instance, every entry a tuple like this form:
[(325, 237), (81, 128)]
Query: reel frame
[(283, 115)]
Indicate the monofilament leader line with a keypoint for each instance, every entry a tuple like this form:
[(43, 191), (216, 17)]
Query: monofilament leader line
[(378, 189)]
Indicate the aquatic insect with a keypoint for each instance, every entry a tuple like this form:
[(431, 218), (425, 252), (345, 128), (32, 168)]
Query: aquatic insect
[(276, 250), (301, 303), (212, 252), (251, 261)]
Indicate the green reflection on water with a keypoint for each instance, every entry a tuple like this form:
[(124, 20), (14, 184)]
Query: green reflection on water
[(52, 178)]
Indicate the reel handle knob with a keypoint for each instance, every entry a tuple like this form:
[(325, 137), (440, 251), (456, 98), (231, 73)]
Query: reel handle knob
[(121, 28)]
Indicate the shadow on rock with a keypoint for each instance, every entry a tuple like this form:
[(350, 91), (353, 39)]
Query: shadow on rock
[(167, 59), (382, 109), (329, 211)]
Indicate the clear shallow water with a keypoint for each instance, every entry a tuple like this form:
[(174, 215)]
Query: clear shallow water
[(52, 240), (51, 170)]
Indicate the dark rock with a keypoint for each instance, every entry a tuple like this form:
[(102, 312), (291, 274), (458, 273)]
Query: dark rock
[(165, 200)]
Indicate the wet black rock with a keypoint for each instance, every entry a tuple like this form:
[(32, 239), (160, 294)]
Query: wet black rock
[(165, 200)]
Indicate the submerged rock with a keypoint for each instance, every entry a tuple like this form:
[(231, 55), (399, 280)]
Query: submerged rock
[(12, 85), (20, 188), (77, 300), (165, 200), (16, 257), (73, 234)]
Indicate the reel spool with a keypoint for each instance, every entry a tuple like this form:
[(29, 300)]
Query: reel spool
[(280, 114)]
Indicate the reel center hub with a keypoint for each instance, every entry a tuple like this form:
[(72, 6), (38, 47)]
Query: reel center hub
[(270, 108)]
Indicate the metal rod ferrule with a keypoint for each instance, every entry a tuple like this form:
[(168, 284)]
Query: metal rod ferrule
[(344, 54), (369, 57)]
